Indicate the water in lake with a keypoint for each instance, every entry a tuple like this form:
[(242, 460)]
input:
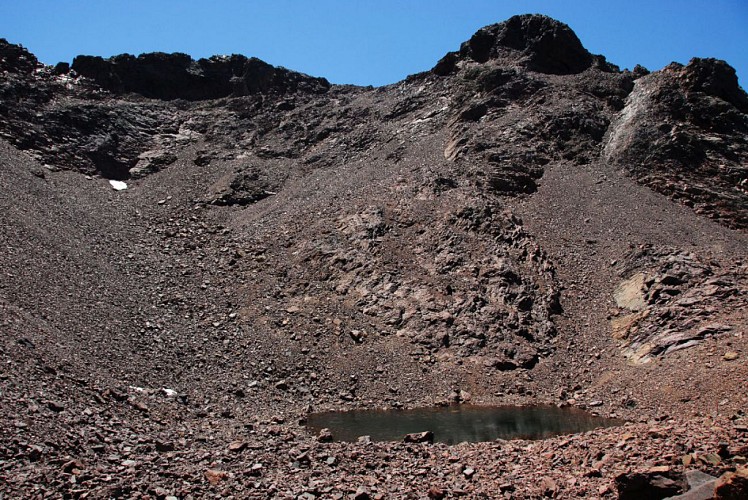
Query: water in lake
[(455, 424)]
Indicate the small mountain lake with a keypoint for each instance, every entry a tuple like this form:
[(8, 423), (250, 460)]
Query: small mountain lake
[(456, 424)]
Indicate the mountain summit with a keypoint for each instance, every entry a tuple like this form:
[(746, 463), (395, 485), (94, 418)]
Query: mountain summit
[(537, 43)]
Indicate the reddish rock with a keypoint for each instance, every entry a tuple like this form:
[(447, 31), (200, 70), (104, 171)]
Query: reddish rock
[(237, 446), (324, 436), (215, 476), (732, 486), (436, 493)]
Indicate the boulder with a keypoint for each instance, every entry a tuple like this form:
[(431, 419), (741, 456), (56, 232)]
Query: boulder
[(700, 486), (419, 437), (733, 485), (648, 485)]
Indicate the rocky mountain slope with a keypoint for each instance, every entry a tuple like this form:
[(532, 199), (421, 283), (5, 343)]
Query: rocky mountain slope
[(523, 224)]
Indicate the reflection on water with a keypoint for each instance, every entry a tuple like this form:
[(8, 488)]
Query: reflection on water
[(455, 424)]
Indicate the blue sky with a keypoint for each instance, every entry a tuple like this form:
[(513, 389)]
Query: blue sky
[(369, 42)]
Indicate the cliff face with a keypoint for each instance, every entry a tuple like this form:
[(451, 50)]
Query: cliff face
[(525, 223)]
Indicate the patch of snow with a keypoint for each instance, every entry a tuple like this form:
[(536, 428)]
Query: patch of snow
[(118, 185)]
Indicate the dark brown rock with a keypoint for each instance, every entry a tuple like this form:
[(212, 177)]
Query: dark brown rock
[(324, 436), (419, 437), (647, 485), (55, 406)]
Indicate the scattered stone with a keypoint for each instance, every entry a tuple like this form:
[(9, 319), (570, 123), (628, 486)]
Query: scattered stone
[(419, 437), (324, 436), (436, 493), (73, 467), (237, 446), (55, 406), (362, 493), (169, 393), (164, 446), (215, 476), (549, 487)]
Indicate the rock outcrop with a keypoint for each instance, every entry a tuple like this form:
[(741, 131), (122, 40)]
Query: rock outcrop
[(534, 42), (683, 133), (16, 59), (177, 76), (671, 301)]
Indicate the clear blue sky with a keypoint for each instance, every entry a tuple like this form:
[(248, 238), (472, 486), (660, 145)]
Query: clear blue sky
[(369, 42)]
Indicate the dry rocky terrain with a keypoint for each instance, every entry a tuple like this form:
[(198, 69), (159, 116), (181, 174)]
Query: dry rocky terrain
[(523, 224)]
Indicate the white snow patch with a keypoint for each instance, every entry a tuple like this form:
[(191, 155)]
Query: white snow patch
[(118, 185)]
